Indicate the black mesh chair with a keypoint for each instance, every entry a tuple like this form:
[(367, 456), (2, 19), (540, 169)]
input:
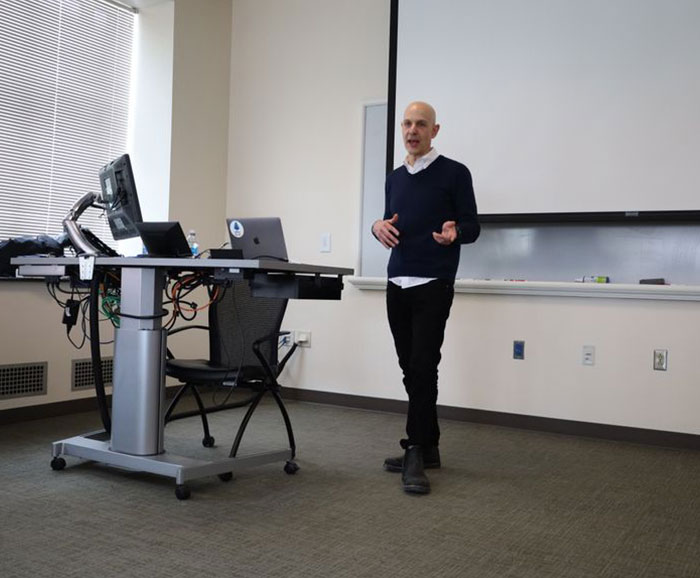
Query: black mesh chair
[(244, 334)]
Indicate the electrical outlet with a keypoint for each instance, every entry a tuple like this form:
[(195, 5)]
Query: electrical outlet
[(518, 350), (588, 355), (325, 242), (660, 359), (286, 340), (302, 338)]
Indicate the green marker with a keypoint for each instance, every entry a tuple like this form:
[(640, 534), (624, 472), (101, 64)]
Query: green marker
[(593, 279)]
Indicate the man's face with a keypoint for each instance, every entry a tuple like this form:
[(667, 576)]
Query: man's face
[(418, 129)]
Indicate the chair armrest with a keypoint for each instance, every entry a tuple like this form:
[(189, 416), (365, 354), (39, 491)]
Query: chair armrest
[(285, 359), (185, 328), (280, 364), (271, 337)]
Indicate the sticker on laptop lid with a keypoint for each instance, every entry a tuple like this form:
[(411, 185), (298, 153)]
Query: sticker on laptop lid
[(236, 228)]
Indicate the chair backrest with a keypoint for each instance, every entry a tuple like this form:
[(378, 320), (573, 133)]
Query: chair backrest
[(240, 319)]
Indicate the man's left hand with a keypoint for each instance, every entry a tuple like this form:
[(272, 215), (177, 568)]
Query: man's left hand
[(448, 234)]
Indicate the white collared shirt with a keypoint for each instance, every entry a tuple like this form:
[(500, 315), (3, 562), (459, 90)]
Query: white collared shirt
[(420, 164)]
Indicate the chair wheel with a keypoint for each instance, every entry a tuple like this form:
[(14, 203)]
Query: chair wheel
[(208, 442), (58, 464), (291, 468), (226, 477), (182, 492)]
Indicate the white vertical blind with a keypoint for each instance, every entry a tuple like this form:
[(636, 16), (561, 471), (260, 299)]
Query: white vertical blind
[(65, 68)]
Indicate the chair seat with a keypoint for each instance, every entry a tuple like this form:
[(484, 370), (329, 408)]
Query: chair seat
[(199, 370), (205, 371)]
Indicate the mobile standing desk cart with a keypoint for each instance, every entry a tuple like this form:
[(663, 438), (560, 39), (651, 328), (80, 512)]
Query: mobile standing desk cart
[(138, 395)]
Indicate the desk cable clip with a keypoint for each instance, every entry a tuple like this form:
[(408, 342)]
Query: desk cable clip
[(87, 266)]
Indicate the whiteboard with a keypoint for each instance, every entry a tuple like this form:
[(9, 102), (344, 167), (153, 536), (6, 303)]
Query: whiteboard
[(560, 106)]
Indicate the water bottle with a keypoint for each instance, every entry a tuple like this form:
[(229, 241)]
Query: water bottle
[(192, 242)]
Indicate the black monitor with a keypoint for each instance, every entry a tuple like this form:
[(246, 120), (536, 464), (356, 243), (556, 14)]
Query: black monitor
[(120, 198)]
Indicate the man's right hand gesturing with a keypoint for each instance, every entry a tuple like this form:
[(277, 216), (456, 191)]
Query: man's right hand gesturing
[(385, 232)]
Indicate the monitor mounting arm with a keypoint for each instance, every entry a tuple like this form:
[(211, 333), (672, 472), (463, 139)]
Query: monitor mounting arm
[(70, 224)]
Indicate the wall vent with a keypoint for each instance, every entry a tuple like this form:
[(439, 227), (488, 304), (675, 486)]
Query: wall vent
[(23, 379), (82, 376)]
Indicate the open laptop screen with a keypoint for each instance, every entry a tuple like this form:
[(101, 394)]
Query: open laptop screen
[(258, 237), (164, 239)]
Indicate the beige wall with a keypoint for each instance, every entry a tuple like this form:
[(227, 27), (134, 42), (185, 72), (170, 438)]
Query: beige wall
[(301, 72), (201, 70)]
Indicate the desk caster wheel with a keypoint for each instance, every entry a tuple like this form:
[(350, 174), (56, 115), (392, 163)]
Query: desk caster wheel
[(291, 468), (226, 477), (208, 442), (182, 492), (58, 464)]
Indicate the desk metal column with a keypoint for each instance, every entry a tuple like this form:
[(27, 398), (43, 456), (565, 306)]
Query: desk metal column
[(139, 365)]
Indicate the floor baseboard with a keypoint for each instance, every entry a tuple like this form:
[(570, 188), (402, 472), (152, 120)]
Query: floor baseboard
[(527, 422)]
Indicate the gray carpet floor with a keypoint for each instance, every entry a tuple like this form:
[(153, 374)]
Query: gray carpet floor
[(507, 503)]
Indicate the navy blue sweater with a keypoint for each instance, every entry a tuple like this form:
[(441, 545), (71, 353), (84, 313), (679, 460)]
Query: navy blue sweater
[(424, 201)]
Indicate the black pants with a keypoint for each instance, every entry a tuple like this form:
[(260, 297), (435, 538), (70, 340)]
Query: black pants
[(417, 317)]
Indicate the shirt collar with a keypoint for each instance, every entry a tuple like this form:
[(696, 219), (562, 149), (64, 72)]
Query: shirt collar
[(421, 163)]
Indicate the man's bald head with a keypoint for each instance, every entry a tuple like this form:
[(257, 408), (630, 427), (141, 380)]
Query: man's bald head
[(423, 108)]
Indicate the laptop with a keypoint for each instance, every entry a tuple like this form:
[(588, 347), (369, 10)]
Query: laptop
[(164, 239), (258, 238)]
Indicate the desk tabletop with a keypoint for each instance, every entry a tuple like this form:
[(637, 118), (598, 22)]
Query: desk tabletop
[(190, 264)]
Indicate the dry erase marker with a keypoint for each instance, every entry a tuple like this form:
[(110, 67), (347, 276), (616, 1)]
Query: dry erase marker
[(593, 279)]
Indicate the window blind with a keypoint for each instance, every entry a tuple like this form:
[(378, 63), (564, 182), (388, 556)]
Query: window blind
[(65, 69)]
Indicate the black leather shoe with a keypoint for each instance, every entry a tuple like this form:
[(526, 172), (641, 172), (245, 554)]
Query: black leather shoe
[(413, 477), (431, 460)]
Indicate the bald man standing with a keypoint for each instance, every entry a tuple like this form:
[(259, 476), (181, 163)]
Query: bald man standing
[(429, 212)]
